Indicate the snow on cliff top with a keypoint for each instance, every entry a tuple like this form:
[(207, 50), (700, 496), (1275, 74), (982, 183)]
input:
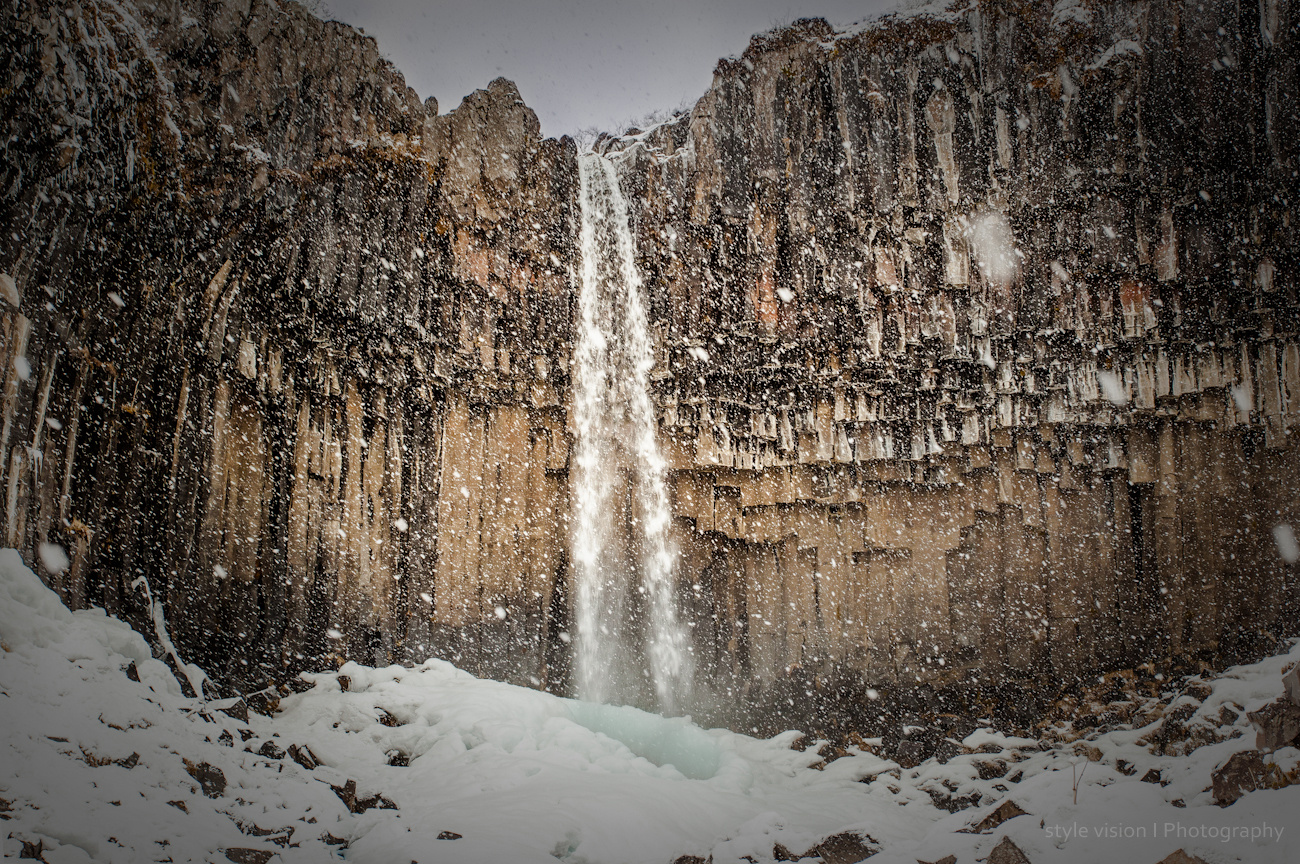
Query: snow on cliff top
[(430, 764)]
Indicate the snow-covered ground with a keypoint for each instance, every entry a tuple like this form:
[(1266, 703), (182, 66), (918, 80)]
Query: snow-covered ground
[(97, 766)]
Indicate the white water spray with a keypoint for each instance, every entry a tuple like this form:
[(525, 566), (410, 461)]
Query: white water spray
[(624, 635)]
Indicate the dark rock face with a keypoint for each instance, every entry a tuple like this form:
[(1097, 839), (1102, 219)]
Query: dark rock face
[(271, 306), (999, 311), (1001, 323)]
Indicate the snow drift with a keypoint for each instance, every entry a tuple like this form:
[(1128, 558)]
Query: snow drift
[(431, 764)]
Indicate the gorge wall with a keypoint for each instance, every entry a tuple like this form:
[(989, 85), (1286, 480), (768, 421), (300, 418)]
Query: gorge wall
[(977, 340), (273, 307), (979, 336)]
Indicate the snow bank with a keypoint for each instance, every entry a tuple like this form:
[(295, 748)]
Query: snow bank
[(100, 767), (95, 764)]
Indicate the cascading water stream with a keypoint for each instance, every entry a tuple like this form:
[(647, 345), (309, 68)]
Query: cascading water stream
[(627, 628)]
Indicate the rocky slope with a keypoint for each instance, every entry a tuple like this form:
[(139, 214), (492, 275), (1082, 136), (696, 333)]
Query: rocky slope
[(977, 340)]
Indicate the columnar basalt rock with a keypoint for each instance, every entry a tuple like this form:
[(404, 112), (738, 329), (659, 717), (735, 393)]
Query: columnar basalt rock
[(978, 337), (976, 340), (281, 338)]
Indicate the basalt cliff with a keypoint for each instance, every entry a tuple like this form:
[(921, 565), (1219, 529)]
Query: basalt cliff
[(976, 338)]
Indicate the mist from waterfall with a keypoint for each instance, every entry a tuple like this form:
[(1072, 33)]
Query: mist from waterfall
[(631, 647)]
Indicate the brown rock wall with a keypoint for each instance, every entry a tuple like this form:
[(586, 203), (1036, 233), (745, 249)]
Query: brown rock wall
[(1005, 566), (1000, 295), (277, 314)]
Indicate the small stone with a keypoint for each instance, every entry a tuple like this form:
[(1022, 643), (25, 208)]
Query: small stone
[(303, 756), (448, 835), (33, 850), (847, 847), (781, 853), (1006, 810), (248, 856), (211, 779), (1243, 773), (348, 795), (692, 859), (262, 703), (180, 805), (1291, 683), (132, 672), (1007, 852), (238, 711), (1181, 857), (1276, 725), (947, 859), (270, 751), (1152, 776)]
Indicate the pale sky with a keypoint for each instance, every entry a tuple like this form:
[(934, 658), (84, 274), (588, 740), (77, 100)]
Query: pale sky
[(577, 63)]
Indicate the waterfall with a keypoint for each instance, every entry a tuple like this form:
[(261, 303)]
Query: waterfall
[(629, 635)]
